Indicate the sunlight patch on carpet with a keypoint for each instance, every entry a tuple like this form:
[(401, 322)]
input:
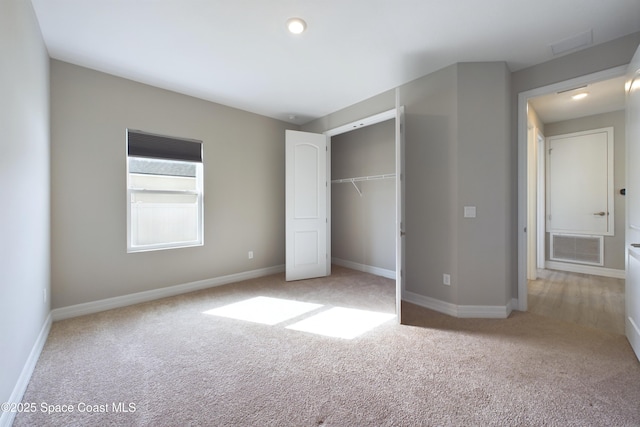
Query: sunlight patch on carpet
[(265, 310), (340, 322)]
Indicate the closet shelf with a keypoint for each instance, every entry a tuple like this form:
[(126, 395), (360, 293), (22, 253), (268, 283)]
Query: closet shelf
[(362, 178)]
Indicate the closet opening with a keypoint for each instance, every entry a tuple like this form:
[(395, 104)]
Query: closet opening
[(363, 199), (365, 160)]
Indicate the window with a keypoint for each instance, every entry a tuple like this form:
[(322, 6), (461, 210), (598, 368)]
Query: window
[(164, 191)]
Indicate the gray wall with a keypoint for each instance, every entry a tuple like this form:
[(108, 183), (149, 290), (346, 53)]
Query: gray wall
[(614, 249), (457, 154), (363, 227), (432, 169), (431, 193), (24, 189), (484, 181), (243, 187)]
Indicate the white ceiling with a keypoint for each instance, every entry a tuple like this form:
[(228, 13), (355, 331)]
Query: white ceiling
[(602, 97), (238, 53)]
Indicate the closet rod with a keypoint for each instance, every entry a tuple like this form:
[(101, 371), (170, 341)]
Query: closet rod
[(363, 178)]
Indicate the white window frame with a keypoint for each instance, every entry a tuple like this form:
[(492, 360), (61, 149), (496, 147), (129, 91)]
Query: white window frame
[(199, 193)]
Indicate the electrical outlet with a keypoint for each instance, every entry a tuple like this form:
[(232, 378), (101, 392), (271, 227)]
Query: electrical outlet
[(250, 254), (446, 279)]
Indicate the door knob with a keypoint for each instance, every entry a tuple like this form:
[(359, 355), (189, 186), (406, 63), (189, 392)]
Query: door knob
[(600, 213)]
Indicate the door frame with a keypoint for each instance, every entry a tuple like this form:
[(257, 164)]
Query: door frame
[(396, 114), (532, 188), (541, 207), (523, 98)]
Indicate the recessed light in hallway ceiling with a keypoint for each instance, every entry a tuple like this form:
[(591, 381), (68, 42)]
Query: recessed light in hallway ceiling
[(296, 25)]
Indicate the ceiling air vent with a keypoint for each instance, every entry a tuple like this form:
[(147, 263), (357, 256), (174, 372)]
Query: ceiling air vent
[(573, 43)]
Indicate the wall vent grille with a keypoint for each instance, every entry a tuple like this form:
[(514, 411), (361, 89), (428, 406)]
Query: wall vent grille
[(580, 249)]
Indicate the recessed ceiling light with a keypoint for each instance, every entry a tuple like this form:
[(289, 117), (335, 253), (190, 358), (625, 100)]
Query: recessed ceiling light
[(579, 96), (296, 25)]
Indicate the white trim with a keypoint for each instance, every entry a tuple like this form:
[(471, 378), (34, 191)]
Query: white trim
[(154, 294), (485, 311), (523, 97), (400, 208), (7, 418), (461, 311), (586, 269), (389, 274), (430, 303), (367, 121), (199, 192), (633, 335), (540, 200)]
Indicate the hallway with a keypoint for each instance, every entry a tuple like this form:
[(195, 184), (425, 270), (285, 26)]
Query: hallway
[(593, 301)]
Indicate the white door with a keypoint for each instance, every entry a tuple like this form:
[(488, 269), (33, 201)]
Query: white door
[(400, 191), (306, 205), (632, 296), (580, 180)]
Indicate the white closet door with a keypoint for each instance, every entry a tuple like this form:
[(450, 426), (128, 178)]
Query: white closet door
[(632, 286), (306, 205), (580, 182)]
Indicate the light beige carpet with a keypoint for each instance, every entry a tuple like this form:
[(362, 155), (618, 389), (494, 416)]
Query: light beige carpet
[(178, 366)]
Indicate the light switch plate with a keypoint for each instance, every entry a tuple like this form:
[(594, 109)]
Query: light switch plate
[(469, 211)]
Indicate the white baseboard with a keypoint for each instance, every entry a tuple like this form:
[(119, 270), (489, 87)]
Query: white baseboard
[(430, 303), (389, 274), (586, 269), (633, 335), (463, 311), (154, 294), (6, 418)]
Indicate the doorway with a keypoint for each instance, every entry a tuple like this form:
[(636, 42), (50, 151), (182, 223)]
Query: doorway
[(363, 199), (396, 116), (297, 139), (533, 241)]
